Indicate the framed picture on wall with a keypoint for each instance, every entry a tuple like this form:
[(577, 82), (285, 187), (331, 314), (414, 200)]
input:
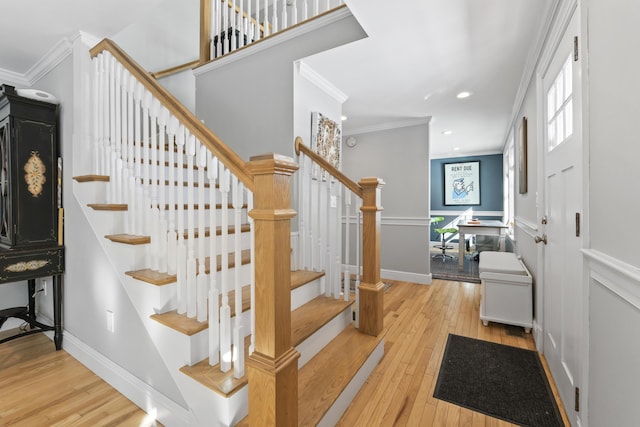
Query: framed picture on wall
[(326, 139), (461, 183)]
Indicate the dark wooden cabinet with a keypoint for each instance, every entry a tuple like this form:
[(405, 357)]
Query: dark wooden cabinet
[(30, 203), (29, 174)]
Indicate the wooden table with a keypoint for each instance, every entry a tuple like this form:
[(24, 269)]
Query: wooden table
[(18, 265), (486, 228)]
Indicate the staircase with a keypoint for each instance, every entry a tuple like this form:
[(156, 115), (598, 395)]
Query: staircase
[(200, 241)]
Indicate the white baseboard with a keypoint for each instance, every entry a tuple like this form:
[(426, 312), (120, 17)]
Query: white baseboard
[(144, 396), (404, 276)]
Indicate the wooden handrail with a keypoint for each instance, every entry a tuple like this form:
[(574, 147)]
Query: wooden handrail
[(225, 154), (345, 180)]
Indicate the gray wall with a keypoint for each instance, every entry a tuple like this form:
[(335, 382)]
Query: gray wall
[(400, 157), (249, 102)]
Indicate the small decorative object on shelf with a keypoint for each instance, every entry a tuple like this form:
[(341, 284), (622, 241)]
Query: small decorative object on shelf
[(30, 201)]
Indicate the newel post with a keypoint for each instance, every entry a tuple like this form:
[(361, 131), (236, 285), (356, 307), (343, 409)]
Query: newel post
[(371, 288), (272, 369)]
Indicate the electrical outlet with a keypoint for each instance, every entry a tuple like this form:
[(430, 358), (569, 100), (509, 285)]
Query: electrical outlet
[(110, 321)]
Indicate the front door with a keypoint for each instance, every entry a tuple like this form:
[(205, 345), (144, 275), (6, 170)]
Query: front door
[(563, 201)]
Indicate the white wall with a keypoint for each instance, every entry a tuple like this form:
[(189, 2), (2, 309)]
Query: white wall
[(91, 286), (400, 156), (167, 37), (614, 316), (611, 343)]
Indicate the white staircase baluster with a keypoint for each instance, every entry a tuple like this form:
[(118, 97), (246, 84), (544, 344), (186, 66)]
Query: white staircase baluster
[(191, 255), (118, 133), (155, 212), (275, 16), (234, 26), (316, 7), (250, 27), (112, 130), (294, 12), (220, 8), (202, 279), (181, 267), (326, 236), (284, 15), (214, 292), (358, 240), (172, 234), (146, 167), (225, 28), (336, 238), (265, 23), (163, 119), (225, 310), (95, 109), (243, 29), (252, 283), (137, 138), (238, 365), (131, 197), (305, 10), (257, 33), (346, 277)]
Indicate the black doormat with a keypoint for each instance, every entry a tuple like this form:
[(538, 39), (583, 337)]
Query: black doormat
[(498, 380), (448, 270)]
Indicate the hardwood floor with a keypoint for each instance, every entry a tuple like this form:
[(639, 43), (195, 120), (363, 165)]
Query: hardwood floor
[(42, 387), (418, 319)]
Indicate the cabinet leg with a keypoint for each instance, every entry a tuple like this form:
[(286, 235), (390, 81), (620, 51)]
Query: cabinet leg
[(485, 322), (57, 311)]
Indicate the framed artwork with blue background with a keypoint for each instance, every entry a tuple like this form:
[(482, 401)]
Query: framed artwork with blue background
[(461, 184)]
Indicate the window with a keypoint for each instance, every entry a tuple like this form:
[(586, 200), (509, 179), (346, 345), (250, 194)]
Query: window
[(560, 107)]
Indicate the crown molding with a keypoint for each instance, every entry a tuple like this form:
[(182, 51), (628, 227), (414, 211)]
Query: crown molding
[(320, 82), (43, 66), (387, 126), (13, 78), (49, 61)]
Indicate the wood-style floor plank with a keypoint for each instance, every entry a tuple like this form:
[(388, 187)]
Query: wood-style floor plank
[(418, 319), (399, 392), (42, 387)]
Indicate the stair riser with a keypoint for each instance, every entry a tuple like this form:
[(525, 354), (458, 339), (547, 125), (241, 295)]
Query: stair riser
[(303, 294)]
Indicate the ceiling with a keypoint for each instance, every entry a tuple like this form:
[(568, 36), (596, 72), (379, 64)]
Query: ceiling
[(418, 56)]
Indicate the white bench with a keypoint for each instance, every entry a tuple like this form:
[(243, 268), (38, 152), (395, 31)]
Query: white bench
[(507, 295)]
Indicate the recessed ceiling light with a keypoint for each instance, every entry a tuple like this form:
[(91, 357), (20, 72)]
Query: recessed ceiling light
[(456, 148), (343, 118), (463, 95), (447, 132)]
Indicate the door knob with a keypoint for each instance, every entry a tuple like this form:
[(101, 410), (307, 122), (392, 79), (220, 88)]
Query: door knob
[(542, 239)]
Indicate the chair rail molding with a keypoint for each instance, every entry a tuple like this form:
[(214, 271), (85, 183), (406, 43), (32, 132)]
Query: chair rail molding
[(619, 277)]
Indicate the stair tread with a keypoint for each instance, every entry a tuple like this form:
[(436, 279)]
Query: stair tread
[(129, 239), (191, 326), (133, 239), (156, 278), (109, 206), (214, 379), (91, 178), (343, 357), (314, 315), (302, 277)]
